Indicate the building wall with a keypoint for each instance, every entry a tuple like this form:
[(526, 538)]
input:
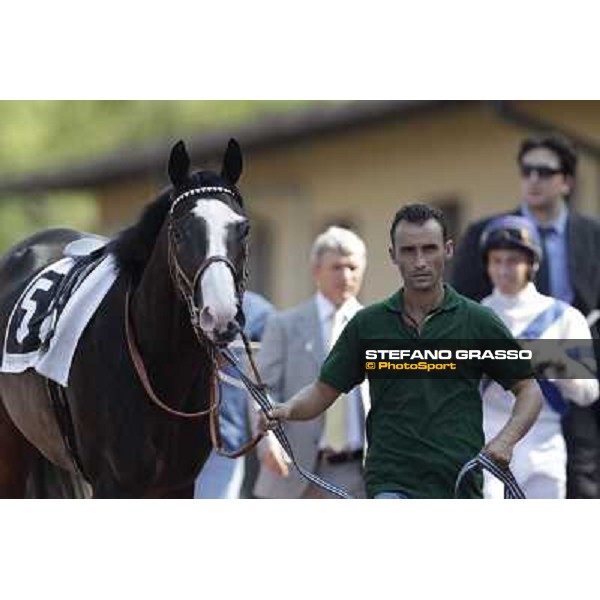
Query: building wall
[(463, 154)]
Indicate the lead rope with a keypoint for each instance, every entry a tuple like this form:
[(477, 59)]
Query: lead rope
[(215, 429), (260, 395), (512, 490)]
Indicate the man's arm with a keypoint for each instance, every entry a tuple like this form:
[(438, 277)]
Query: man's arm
[(307, 404), (525, 411)]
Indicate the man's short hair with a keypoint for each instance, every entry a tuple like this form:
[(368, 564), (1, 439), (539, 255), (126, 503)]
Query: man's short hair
[(555, 142), (340, 240), (419, 214)]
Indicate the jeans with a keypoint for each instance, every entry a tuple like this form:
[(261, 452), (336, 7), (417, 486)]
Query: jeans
[(391, 496)]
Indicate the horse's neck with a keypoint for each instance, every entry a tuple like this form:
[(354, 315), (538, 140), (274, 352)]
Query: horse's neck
[(172, 354)]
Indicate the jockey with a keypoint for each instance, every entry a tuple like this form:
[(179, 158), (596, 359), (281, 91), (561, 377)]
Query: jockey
[(512, 251)]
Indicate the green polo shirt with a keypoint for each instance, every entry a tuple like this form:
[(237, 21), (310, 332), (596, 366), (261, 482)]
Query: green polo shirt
[(421, 431)]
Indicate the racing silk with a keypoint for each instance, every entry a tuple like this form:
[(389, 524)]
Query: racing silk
[(531, 315)]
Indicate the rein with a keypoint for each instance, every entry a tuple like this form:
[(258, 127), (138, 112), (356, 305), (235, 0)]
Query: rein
[(140, 369), (260, 395), (258, 392), (512, 490), (215, 395), (187, 287)]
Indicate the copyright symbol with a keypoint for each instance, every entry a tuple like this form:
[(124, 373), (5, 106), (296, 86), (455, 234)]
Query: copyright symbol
[(370, 365)]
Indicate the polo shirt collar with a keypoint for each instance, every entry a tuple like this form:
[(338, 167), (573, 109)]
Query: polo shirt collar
[(395, 303)]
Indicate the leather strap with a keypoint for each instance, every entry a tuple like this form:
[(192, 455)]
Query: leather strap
[(140, 369)]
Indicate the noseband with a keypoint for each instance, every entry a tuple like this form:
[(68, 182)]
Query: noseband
[(186, 287)]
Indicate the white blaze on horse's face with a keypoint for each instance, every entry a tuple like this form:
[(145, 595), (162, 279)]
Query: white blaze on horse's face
[(219, 301)]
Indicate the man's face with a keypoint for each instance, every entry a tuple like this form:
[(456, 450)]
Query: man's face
[(546, 186), (508, 270), (337, 276), (420, 253)]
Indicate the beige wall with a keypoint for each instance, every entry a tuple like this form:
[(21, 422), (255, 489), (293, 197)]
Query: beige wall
[(122, 203), (365, 175)]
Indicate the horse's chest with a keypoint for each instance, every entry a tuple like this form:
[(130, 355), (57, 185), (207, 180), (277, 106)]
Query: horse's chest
[(174, 454)]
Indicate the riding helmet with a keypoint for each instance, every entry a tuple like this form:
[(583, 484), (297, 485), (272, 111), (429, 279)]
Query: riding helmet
[(511, 232)]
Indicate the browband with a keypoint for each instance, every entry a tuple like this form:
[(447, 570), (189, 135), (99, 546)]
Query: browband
[(203, 190)]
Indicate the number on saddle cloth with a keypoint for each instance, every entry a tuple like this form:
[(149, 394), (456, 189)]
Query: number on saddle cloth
[(30, 320), (34, 317)]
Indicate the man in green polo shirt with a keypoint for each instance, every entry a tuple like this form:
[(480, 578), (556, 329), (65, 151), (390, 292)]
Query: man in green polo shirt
[(421, 430)]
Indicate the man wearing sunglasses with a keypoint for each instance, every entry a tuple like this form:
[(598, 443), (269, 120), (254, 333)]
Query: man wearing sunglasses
[(569, 271)]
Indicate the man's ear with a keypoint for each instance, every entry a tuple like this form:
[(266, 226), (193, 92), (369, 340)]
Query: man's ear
[(449, 248), (568, 185), (535, 267), (314, 271), (392, 254)]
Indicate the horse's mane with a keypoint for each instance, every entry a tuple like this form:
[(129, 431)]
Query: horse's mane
[(133, 246)]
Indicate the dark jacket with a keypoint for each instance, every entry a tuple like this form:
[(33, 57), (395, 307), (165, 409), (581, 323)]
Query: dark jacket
[(469, 276)]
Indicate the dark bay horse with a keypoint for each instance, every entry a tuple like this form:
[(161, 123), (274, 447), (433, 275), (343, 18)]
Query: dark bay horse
[(181, 272)]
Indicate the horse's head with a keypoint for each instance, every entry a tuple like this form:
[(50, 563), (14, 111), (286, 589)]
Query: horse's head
[(208, 242)]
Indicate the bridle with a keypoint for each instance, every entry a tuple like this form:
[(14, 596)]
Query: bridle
[(218, 353), (256, 389), (186, 288)]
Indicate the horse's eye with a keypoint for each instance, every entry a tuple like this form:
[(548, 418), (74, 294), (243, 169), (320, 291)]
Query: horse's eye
[(243, 229), (176, 235)]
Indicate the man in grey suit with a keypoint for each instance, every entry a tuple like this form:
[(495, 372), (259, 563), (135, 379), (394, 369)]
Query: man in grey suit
[(294, 346)]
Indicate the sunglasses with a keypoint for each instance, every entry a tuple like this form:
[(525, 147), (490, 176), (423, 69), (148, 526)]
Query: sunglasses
[(542, 171)]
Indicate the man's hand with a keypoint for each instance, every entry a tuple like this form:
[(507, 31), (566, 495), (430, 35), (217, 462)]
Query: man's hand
[(527, 407), (499, 451), (274, 459), (279, 413)]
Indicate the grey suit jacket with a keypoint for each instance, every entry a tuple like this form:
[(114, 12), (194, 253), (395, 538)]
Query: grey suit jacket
[(292, 351)]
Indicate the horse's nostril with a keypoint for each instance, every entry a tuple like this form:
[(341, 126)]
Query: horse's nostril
[(228, 334), (207, 321)]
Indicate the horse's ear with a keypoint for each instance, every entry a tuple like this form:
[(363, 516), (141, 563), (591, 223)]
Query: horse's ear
[(179, 164), (232, 162)]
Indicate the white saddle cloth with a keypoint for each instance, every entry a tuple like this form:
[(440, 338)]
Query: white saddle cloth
[(26, 346)]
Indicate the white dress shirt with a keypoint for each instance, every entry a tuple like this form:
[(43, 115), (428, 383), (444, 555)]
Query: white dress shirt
[(355, 414)]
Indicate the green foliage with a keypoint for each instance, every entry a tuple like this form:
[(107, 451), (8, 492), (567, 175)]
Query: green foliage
[(21, 217), (41, 133), (46, 134)]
